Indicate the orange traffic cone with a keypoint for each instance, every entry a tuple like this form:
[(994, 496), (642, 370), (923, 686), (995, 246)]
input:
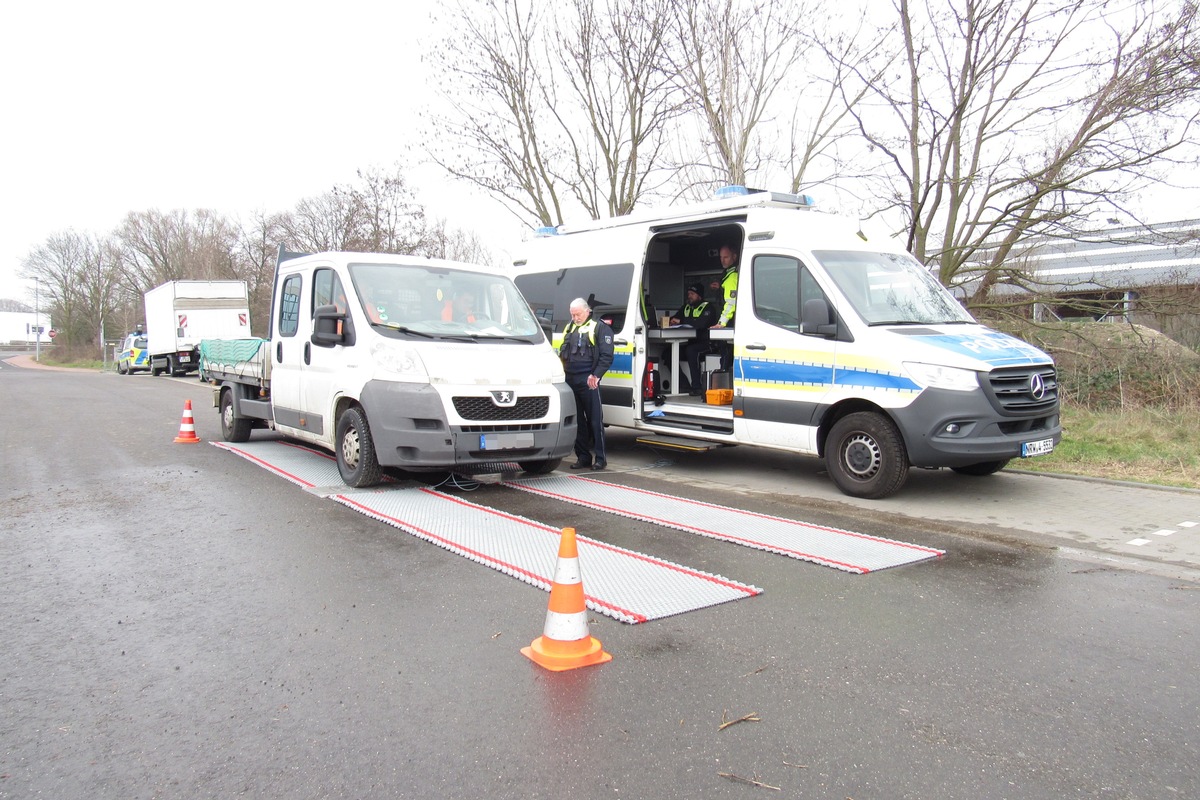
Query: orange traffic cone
[(565, 642), (187, 427)]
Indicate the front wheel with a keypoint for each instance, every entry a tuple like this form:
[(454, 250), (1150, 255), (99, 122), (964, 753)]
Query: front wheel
[(540, 467), (982, 468), (865, 456), (356, 458), (233, 427)]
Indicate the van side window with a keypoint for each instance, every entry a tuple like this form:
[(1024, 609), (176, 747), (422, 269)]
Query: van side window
[(607, 287), (781, 285), (327, 290), (289, 306)]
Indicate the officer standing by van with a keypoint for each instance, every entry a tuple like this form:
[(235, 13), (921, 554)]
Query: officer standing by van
[(587, 353), (728, 286)]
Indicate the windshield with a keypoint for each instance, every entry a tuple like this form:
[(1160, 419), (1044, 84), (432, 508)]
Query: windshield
[(443, 303), (891, 288)]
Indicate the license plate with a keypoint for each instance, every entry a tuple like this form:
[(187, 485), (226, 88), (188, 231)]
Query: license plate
[(185, 358), (505, 441), (1039, 448)]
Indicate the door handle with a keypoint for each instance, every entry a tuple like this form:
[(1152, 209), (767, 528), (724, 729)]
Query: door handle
[(307, 353), (619, 342), (279, 352), (756, 346)]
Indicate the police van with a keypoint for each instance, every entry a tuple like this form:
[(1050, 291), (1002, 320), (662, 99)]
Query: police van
[(841, 346)]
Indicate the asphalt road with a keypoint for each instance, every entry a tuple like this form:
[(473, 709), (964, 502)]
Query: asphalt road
[(180, 623)]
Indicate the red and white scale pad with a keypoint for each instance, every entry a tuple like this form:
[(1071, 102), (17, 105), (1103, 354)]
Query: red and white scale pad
[(622, 584)]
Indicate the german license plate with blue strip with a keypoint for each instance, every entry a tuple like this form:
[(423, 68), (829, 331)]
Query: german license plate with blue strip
[(1039, 448), (505, 441)]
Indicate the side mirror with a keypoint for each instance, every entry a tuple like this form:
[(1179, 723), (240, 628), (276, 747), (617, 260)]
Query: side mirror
[(817, 319), (331, 327)]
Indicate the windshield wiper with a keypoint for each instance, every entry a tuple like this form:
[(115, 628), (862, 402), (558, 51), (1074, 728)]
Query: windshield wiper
[(392, 327)]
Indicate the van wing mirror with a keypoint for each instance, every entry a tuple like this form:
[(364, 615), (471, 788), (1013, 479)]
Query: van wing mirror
[(331, 327), (817, 318)]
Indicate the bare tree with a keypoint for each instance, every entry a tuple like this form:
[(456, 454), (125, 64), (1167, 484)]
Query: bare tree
[(1018, 117), (613, 55), (154, 247), (500, 134), (378, 214), (330, 221), (254, 259), (456, 245), (78, 283), (545, 112), (390, 220), (736, 60)]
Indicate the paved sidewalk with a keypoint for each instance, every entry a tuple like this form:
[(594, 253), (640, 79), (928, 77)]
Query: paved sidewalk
[(1098, 518)]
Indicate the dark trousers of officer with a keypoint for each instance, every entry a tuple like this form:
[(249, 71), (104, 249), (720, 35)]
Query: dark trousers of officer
[(589, 435), (693, 351)]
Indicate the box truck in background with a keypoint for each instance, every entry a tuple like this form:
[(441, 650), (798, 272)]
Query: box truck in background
[(179, 314)]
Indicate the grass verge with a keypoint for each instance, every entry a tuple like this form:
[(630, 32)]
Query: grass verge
[(1145, 445)]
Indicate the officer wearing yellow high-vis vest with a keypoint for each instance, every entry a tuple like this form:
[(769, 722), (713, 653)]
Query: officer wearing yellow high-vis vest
[(587, 353), (728, 287)]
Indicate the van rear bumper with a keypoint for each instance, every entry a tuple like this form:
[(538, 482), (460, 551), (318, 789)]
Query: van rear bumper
[(982, 433), (412, 430)]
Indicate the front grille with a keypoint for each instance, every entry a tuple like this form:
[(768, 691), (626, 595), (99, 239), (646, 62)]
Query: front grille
[(482, 409), (1011, 389), (535, 426)]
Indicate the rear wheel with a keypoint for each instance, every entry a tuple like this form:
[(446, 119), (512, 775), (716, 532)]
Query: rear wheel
[(865, 455), (356, 457), (121, 368), (982, 468), (540, 467), (233, 428)]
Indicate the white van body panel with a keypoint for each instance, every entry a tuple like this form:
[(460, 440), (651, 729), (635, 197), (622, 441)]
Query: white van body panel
[(898, 346), (417, 374)]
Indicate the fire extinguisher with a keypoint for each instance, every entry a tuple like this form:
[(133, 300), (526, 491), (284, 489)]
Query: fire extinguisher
[(651, 386)]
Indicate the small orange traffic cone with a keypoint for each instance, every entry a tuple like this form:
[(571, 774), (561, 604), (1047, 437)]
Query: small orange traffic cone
[(565, 642), (187, 427)]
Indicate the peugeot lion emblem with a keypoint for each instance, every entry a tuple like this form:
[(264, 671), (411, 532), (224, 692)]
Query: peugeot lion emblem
[(1037, 387), (507, 399)]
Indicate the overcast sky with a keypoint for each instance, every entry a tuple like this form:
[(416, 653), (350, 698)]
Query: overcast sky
[(131, 105)]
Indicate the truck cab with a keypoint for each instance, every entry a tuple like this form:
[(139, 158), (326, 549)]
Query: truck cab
[(403, 362)]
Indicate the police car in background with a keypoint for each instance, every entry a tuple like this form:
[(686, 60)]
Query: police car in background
[(133, 356)]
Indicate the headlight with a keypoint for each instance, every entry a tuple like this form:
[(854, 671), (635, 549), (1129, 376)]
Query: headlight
[(939, 377), (398, 359)]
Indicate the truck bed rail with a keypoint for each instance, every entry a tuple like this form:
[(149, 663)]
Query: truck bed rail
[(240, 360)]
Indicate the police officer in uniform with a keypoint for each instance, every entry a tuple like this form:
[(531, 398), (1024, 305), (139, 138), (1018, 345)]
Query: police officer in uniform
[(728, 286), (587, 353), (699, 314)]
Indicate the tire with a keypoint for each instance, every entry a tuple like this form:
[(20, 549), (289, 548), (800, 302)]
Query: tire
[(540, 467), (173, 367), (121, 370), (155, 369), (233, 429), (865, 456), (356, 458), (982, 468)]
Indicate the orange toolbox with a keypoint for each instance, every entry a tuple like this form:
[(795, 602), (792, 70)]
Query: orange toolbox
[(719, 397)]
